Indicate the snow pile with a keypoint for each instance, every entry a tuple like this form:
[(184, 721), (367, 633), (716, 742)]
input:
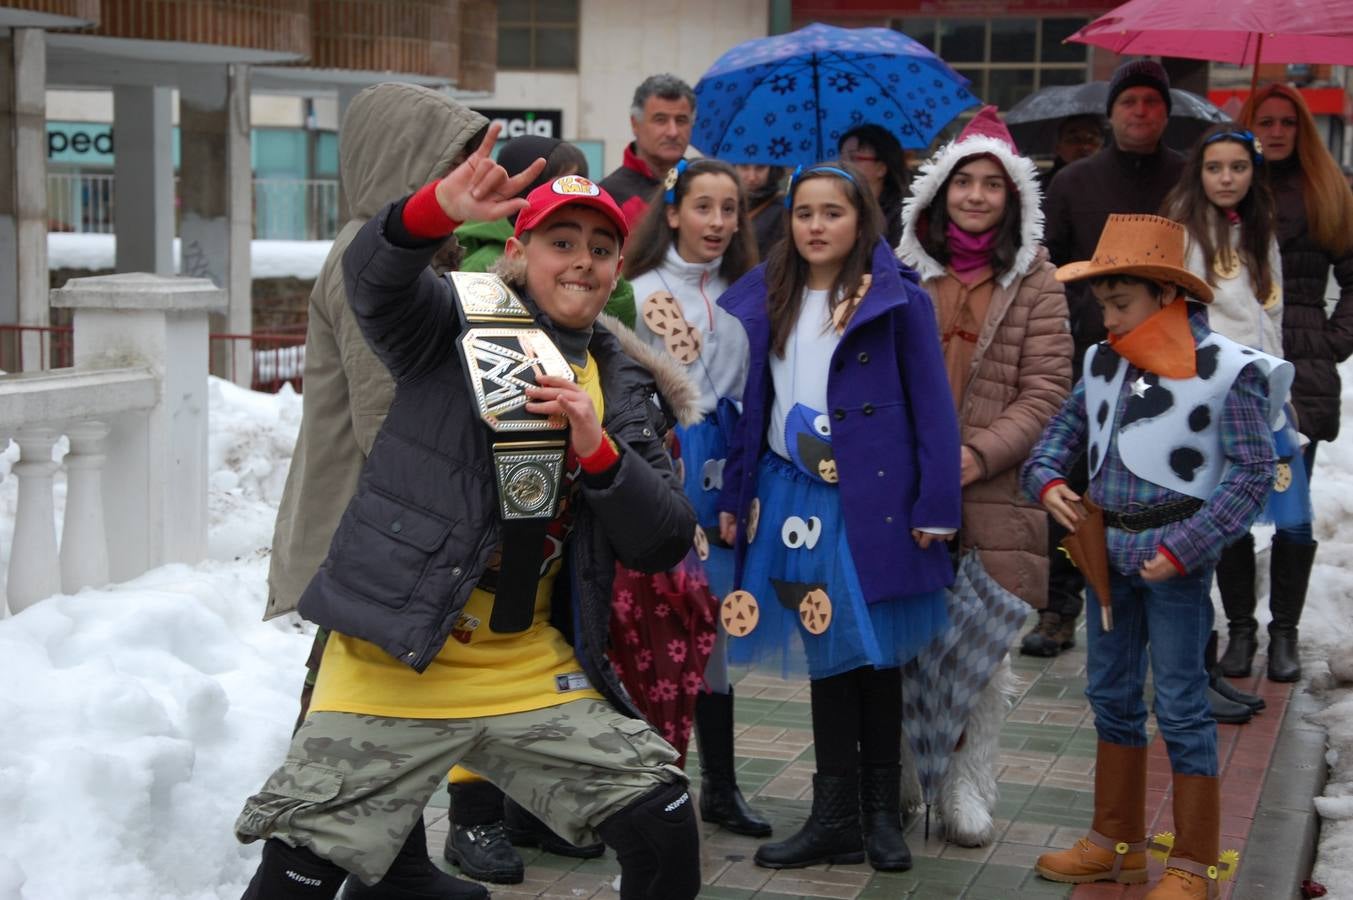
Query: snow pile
[(137, 719), (268, 259)]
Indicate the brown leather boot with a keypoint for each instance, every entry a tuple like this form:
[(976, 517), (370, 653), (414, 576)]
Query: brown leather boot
[(1115, 848), (1191, 871)]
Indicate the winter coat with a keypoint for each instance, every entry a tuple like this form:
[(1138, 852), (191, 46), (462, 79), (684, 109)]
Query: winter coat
[(894, 432), (1079, 202), (424, 522), (395, 139), (632, 186), (1313, 341), (1019, 376)]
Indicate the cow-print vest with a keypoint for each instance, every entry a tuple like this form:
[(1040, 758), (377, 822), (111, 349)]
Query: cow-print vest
[(1170, 434)]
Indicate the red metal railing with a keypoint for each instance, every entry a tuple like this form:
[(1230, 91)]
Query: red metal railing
[(278, 358)]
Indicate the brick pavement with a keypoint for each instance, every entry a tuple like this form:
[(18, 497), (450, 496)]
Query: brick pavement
[(1046, 777)]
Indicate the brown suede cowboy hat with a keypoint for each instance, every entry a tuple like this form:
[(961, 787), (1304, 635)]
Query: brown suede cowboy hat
[(1146, 246)]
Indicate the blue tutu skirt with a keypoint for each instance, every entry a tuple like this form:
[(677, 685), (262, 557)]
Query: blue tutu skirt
[(799, 545), (1289, 500), (704, 448)]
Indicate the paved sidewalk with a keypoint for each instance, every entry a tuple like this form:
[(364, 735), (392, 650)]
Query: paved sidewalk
[(1046, 779)]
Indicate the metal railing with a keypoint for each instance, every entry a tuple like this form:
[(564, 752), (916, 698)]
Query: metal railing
[(278, 358), (295, 209)]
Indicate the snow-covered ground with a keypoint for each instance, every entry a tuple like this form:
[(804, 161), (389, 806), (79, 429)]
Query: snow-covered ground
[(268, 259), (136, 719)]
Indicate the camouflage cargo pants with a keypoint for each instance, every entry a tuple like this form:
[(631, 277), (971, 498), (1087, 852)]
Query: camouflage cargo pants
[(353, 786)]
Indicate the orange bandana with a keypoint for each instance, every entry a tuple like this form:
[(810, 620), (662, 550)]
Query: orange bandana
[(1163, 344)]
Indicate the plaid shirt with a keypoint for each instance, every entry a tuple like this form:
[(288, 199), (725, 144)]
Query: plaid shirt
[(1196, 542)]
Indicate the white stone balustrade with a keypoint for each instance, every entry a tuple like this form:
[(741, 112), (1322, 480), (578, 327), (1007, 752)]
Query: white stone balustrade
[(134, 408)]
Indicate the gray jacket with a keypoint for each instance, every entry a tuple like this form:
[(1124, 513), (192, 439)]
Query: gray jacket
[(395, 138), (419, 532)]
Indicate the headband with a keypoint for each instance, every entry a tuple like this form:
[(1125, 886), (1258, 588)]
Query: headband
[(1244, 137), (673, 176), (801, 171)]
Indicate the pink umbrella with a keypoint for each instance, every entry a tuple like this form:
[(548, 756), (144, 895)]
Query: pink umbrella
[(1244, 32)]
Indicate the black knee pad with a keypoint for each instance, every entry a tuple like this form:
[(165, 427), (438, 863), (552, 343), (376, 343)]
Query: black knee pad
[(293, 873), (658, 844)]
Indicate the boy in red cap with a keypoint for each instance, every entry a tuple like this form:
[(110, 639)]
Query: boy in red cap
[(467, 587)]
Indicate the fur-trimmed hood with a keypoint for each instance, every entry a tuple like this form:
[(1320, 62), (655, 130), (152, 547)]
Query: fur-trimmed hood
[(933, 174), (674, 384)]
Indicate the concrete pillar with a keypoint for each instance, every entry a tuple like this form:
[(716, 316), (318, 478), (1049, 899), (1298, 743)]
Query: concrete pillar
[(144, 171), (156, 460), (23, 185), (216, 191)]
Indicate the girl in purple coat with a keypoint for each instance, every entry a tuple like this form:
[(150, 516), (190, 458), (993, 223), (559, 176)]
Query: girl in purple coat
[(840, 488)]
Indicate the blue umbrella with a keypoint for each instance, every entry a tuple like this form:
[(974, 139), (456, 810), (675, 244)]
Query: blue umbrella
[(786, 100)]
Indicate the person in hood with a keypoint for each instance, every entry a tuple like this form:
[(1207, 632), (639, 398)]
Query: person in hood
[(443, 650), (661, 117), (687, 250), (973, 230), (395, 138)]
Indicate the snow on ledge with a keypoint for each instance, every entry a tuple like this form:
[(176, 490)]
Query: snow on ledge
[(269, 259)]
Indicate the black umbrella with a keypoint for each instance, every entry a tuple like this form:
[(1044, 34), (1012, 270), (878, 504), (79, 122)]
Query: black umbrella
[(1034, 121)]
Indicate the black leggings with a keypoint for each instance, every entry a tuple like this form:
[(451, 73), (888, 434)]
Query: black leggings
[(857, 720)]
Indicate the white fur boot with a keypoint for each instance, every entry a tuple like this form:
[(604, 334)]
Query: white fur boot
[(968, 793)]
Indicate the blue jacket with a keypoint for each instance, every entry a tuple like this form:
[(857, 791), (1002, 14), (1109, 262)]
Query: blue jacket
[(894, 430)]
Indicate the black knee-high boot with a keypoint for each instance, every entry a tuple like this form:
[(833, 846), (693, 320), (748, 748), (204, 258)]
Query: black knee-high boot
[(721, 801), (832, 832), (293, 873), (1235, 582), (880, 699), (1289, 576)]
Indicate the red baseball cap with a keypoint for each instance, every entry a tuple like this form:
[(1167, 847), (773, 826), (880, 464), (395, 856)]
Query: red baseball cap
[(569, 189)]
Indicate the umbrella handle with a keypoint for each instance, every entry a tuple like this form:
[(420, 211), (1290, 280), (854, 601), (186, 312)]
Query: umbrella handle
[(1106, 617)]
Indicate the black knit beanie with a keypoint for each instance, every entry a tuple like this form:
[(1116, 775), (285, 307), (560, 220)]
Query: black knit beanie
[(1139, 73)]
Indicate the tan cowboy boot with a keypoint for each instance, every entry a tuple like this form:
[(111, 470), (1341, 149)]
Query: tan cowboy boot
[(1191, 871), (1115, 848)]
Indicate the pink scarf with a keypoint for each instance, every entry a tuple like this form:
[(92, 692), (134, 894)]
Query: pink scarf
[(969, 252)]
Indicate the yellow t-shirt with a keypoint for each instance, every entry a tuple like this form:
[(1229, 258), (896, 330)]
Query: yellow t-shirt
[(478, 671)]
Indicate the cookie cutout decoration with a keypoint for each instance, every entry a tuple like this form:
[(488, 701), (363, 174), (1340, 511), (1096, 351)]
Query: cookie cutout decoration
[(827, 470), (815, 611), (1282, 475), (662, 314), (1226, 264), (739, 613), (701, 543)]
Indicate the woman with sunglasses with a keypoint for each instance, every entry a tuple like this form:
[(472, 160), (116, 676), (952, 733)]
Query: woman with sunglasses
[(878, 156)]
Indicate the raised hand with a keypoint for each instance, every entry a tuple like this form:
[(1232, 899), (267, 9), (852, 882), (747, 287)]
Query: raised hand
[(480, 190)]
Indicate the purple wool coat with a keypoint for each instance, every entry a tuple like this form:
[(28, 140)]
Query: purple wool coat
[(894, 430)]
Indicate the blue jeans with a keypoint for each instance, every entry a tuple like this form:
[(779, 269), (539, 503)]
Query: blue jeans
[(1301, 534), (1169, 621)]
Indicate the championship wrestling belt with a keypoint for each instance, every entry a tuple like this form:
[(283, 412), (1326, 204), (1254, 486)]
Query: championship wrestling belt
[(503, 352)]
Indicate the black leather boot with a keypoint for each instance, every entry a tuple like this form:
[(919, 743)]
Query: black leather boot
[(881, 820), (721, 802), (525, 830), (1042, 639), (1289, 576), (831, 834), (478, 843), (412, 876), (1235, 582), (294, 873), (1223, 687)]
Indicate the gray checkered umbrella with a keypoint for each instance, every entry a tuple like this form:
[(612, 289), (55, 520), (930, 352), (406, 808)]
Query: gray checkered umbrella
[(941, 684)]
